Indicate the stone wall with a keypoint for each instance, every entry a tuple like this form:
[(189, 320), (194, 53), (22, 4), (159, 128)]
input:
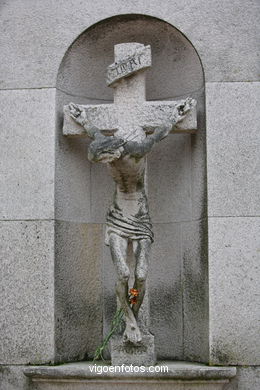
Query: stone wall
[(45, 201)]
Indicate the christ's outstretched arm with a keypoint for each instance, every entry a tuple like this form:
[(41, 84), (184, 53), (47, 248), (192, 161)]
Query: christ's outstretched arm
[(79, 115), (138, 150)]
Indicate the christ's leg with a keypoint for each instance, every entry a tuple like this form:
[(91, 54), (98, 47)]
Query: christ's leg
[(141, 250), (118, 248)]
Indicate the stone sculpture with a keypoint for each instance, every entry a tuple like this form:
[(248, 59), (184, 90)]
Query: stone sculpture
[(123, 134)]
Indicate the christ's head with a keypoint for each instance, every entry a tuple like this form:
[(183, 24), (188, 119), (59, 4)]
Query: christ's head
[(105, 149)]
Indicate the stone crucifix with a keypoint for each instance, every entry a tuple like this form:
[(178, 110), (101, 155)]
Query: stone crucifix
[(123, 134)]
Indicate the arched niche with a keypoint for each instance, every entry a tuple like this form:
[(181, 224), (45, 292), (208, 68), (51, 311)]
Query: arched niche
[(85, 298), (176, 69)]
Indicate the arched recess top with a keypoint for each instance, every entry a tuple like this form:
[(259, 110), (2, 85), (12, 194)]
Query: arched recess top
[(176, 67)]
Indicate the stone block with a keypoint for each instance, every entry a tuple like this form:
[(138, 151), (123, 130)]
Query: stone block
[(212, 30), (13, 378), (195, 291), (233, 143), (27, 148), (142, 354), (234, 273), (247, 378), (78, 290), (27, 292)]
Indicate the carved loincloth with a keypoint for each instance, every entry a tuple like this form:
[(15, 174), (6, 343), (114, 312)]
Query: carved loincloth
[(128, 227)]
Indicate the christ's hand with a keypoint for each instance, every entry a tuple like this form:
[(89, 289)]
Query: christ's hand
[(181, 110), (77, 113)]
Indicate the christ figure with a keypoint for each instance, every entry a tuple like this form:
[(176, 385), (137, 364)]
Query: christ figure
[(128, 219)]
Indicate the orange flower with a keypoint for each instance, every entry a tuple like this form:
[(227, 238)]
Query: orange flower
[(134, 292)]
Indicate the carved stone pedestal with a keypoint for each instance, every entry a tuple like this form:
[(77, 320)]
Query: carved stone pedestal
[(142, 354)]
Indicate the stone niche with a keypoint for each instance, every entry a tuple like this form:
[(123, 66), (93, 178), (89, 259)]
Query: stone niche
[(176, 180)]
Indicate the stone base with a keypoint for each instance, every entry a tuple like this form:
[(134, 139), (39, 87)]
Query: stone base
[(142, 354), (101, 376)]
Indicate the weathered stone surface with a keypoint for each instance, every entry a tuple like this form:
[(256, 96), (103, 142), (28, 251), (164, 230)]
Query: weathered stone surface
[(179, 376), (73, 176), (110, 302), (177, 175), (109, 293), (195, 291), (138, 355), (102, 190), (61, 23), (247, 378), (13, 378), (221, 60), (27, 292), (78, 290), (234, 273), (109, 117), (129, 58), (134, 385), (83, 75), (165, 292), (27, 148), (198, 163), (168, 178), (233, 144)]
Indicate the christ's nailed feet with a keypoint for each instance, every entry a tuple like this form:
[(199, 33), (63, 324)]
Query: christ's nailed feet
[(132, 334)]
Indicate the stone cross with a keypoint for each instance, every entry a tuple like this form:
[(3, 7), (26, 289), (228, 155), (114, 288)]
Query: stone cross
[(134, 125), (130, 115)]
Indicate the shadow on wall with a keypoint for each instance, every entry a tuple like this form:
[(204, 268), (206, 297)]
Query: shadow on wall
[(176, 191)]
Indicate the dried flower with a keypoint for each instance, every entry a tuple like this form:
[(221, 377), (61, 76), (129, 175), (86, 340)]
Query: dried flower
[(134, 292)]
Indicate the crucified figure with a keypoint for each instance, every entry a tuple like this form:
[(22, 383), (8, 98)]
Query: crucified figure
[(128, 217)]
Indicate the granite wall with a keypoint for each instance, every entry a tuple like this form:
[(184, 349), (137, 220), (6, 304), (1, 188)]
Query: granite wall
[(52, 201)]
